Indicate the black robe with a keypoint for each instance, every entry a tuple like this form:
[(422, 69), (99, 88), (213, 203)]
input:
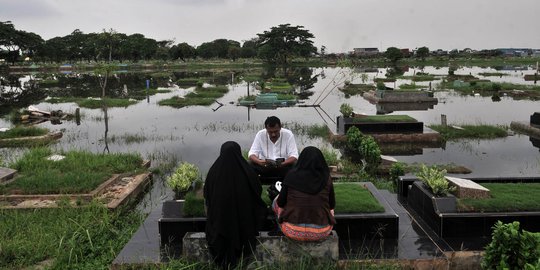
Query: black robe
[(235, 209)]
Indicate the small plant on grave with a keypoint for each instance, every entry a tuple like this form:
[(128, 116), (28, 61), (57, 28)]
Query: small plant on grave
[(371, 153), (396, 170), (346, 110), (435, 180), (354, 138), (381, 86), (512, 248), (184, 176)]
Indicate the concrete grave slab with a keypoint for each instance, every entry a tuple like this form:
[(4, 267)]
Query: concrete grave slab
[(6, 174), (468, 189)]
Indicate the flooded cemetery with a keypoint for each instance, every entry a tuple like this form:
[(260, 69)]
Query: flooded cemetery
[(154, 119)]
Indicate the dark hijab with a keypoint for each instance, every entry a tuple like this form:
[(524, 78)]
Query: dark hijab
[(310, 173), (232, 193)]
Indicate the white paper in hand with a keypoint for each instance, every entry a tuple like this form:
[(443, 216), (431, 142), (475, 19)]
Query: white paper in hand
[(278, 185)]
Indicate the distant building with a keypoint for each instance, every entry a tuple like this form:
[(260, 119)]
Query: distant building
[(406, 52), (365, 51), (536, 53), (520, 52)]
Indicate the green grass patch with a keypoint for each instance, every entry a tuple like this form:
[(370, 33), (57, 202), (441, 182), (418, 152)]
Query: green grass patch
[(353, 198), (70, 238), (188, 81), (355, 89), (383, 118), (492, 74), (286, 97), (470, 131), (200, 97), (194, 205), (22, 131), (384, 80), (412, 86), (78, 172), (505, 197), (350, 198), (419, 78), (94, 103)]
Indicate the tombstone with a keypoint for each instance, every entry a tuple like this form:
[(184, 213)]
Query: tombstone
[(535, 119), (6, 174), (466, 188)]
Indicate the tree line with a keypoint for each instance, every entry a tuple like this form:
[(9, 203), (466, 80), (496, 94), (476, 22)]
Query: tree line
[(278, 45)]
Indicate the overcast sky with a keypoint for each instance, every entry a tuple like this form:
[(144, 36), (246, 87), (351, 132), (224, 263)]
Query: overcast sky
[(340, 25)]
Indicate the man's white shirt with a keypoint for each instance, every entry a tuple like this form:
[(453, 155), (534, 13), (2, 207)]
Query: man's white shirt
[(264, 148)]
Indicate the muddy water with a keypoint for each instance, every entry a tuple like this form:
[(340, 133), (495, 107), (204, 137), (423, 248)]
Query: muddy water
[(194, 134)]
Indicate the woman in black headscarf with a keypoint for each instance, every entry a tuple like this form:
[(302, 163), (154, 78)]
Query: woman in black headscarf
[(305, 205), (234, 206)]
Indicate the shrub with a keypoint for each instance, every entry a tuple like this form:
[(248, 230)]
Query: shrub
[(183, 177), (511, 248), (371, 153), (381, 86), (396, 170), (496, 86), (434, 179), (346, 110), (354, 138)]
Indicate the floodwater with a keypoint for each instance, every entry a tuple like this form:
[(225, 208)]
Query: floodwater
[(195, 134)]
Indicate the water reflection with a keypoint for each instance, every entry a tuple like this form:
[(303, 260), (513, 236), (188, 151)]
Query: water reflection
[(194, 133)]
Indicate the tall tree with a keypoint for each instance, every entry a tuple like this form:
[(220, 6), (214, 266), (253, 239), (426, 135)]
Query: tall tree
[(393, 54), (182, 51), (422, 52), (285, 41)]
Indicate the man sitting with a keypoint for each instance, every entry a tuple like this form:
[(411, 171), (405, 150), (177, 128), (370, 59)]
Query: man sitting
[(273, 151)]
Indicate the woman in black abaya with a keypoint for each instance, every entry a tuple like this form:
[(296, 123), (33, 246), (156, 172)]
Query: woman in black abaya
[(232, 193)]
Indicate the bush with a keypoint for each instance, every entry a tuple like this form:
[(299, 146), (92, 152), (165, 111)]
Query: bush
[(396, 170), (434, 179), (511, 248), (354, 138), (346, 110), (371, 153), (183, 177)]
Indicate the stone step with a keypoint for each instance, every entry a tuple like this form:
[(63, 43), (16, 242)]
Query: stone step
[(270, 249)]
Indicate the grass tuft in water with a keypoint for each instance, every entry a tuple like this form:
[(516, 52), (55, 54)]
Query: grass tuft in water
[(22, 131), (470, 131)]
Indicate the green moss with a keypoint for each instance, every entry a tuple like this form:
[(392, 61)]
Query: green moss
[(470, 131), (384, 80), (492, 74), (505, 197)]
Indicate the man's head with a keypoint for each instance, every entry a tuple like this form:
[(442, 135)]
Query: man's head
[(273, 127)]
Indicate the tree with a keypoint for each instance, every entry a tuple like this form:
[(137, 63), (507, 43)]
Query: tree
[(249, 48), (422, 52), (13, 42), (234, 52), (182, 51), (285, 41), (393, 54)]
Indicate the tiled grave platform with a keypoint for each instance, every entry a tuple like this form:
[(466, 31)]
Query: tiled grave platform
[(416, 244)]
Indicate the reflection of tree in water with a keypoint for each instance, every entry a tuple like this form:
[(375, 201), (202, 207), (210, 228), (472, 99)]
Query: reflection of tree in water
[(15, 95), (300, 77), (86, 85)]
